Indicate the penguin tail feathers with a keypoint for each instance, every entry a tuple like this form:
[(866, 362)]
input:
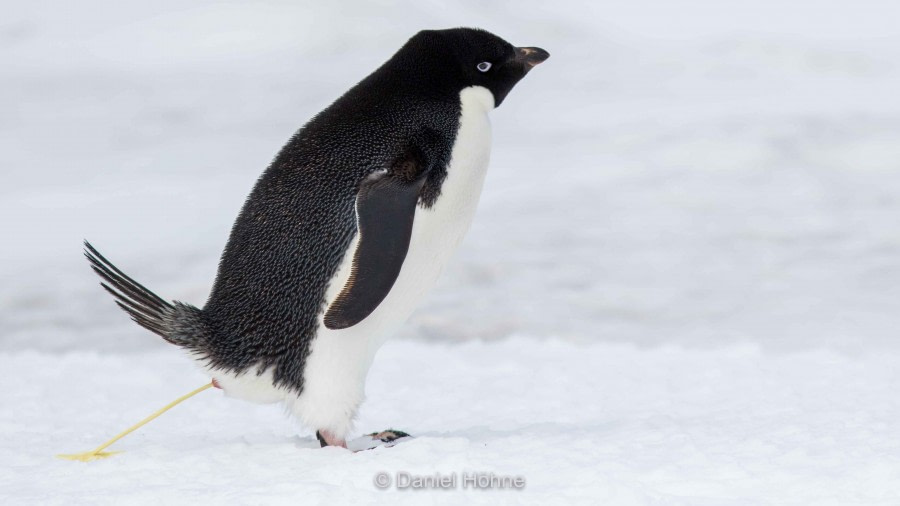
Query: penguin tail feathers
[(178, 323)]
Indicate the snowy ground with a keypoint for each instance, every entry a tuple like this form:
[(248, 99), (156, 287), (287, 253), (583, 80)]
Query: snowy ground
[(682, 286), (582, 424)]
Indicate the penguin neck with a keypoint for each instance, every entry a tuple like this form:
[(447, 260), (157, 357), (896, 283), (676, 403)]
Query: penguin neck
[(477, 98)]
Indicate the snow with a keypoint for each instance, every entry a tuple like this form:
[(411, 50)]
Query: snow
[(682, 285), (581, 423)]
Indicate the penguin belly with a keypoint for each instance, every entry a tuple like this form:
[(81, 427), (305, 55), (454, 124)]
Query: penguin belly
[(339, 360)]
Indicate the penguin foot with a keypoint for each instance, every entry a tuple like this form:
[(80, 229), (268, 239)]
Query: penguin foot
[(386, 439), (326, 438), (389, 436)]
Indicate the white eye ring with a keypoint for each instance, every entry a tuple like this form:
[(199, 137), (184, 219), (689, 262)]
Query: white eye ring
[(484, 66)]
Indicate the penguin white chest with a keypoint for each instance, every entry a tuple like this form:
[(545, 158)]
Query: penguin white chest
[(339, 360), (439, 229)]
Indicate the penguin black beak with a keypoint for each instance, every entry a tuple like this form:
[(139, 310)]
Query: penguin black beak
[(530, 56)]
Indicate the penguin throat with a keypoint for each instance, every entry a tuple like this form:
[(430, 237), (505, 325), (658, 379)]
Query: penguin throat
[(477, 96)]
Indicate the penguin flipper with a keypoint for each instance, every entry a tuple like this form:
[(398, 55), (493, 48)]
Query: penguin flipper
[(385, 208)]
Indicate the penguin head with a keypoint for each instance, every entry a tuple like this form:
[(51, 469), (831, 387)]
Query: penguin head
[(457, 58)]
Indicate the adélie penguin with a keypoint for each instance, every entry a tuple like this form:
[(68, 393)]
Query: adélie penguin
[(345, 232)]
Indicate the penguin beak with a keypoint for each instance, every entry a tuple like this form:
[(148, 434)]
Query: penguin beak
[(530, 56)]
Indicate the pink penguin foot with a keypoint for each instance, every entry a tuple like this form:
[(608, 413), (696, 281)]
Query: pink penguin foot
[(326, 438)]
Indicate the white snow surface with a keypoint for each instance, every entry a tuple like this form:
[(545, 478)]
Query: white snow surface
[(581, 423), (682, 285)]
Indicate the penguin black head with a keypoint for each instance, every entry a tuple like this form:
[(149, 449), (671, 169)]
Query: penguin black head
[(447, 61)]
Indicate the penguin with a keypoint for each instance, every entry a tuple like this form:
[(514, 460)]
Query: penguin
[(345, 232)]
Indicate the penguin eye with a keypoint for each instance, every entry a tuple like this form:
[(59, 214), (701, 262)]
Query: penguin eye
[(484, 66)]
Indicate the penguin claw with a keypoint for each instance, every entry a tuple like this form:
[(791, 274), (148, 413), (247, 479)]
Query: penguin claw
[(383, 439), (389, 435)]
